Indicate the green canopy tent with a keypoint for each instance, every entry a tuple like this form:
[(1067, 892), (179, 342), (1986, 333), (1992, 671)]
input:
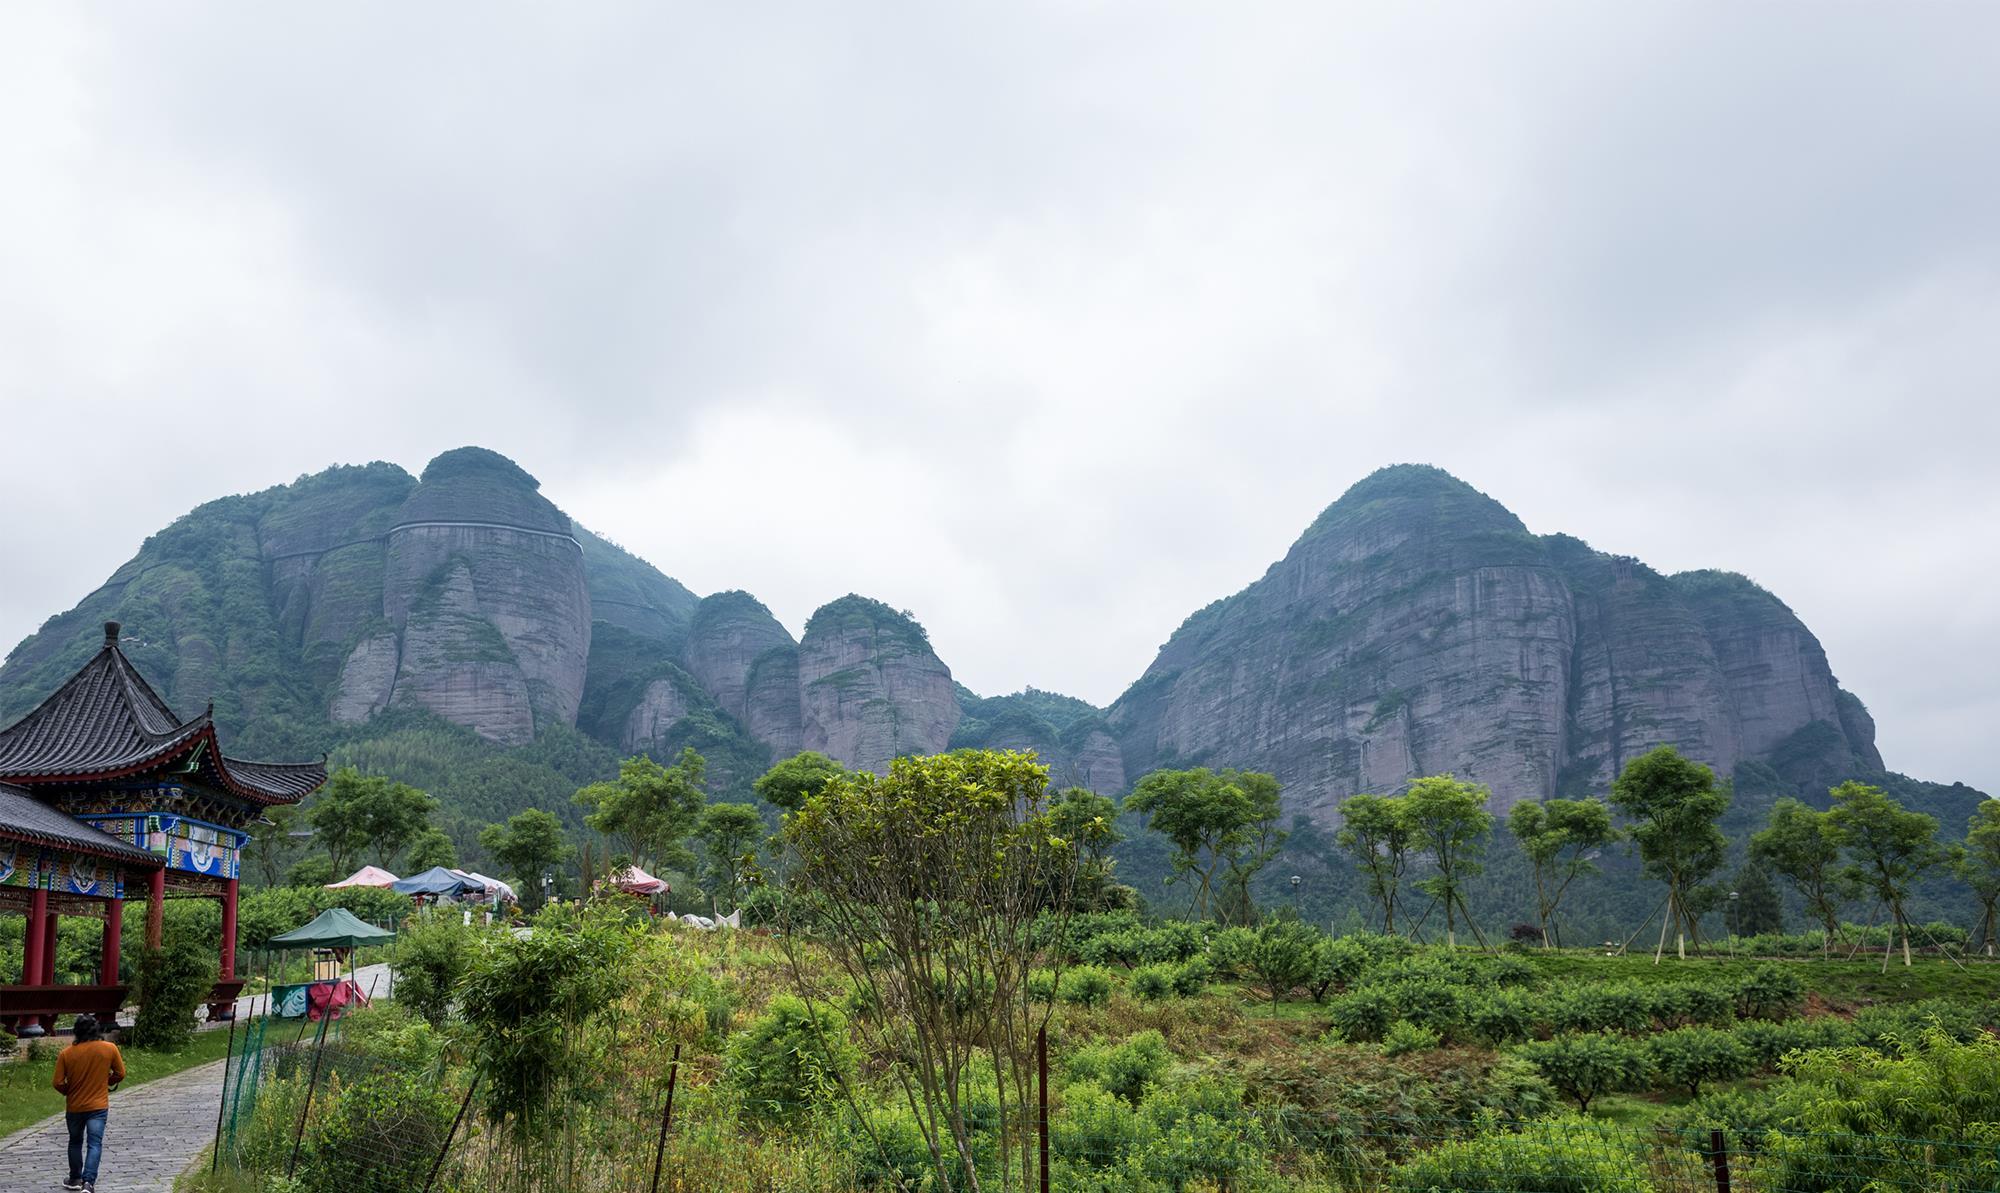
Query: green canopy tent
[(334, 928)]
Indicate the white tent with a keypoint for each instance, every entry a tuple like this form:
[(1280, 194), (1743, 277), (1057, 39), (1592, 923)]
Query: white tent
[(366, 876), (494, 887)]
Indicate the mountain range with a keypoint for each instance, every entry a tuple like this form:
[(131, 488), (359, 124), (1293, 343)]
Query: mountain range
[(1416, 627)]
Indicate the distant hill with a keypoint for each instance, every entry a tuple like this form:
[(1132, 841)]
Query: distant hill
[(457, 628)]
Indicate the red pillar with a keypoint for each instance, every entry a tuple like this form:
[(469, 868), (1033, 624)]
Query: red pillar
[(37, 938), (114, 933), (48, 977), (229, 930), (156, 910)]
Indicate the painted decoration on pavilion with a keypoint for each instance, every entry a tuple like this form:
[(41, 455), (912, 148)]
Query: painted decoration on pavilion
[(58, 872), (191, 846)]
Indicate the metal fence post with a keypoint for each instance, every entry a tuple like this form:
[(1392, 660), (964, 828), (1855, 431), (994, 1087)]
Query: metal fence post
[(1042, 1098), (1719, 1148), (666, 1117), (451, 1134), (319, 1050), (222, 1100)]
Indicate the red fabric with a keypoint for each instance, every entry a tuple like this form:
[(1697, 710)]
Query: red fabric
[(336, 998)]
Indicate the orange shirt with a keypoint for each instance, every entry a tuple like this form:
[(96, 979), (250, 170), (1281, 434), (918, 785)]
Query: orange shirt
[(85, 1074)]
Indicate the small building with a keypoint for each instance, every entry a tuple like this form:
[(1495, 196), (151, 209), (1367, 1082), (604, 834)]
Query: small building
[(106, 795)]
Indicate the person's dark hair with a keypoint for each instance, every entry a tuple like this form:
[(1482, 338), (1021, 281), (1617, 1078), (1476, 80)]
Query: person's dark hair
[(86, 1029)]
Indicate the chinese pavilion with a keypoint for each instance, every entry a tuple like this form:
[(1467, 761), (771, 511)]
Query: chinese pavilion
[(106, 795)]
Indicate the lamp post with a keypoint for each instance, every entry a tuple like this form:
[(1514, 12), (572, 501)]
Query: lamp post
[(548, 886), (1735, 923), (1296, 881)]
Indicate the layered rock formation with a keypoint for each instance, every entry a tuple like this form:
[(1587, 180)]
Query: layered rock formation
[(870, 688), (1418, 628)]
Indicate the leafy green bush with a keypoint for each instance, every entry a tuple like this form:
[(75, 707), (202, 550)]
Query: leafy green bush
[(1152, 982), (1363, 1014), (1434, 1003), (1691, 1004), (1085, 986), (1691, 1057), (1282, 956), (1229, 951), (1191, 976), (1920, 1118), (1126, 1069), (431, 960), (392, 1034), (1404, 1036), (1042, 985), (793, 1057), (1602, 1006), (1585, 1066), (1338, 964), (1501, 1017), (172, 981), (380, 1135), (1769, 991), (1557, 1155)]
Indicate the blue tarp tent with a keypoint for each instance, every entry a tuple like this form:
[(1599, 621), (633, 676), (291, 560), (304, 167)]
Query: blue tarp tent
[(437, 881)]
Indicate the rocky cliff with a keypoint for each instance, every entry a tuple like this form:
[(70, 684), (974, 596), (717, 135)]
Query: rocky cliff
[(1417, 628)]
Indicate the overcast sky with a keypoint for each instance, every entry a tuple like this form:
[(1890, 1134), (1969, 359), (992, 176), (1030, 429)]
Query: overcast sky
[(1048, 323)]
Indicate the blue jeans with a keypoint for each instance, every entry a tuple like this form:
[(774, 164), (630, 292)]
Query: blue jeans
[(85, 1127)]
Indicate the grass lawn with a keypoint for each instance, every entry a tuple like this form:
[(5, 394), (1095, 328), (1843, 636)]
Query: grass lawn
[(26, 1099)]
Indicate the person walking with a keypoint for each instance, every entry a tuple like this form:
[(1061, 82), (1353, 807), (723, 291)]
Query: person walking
[(86, 1073)]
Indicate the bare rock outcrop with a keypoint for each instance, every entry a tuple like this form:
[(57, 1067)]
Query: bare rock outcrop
[(870, 688), (726, 636)]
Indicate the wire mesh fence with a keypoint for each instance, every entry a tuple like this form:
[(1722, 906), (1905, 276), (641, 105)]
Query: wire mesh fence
[(335, 1116)]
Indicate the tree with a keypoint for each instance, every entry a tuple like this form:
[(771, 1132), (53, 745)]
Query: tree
[(1888, 848), (1090, 821), (1675, 804), (927, 886), (1375, 830), (1978, 865), (273, 847), (1216, 821), (530, 844), (355, 812), (649, 809), (429, 848), (728, 835), (1560, 838), (1449, 822), (787, 784), (1797, 844), (1757, 907)]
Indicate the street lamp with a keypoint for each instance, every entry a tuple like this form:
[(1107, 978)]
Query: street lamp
[(548, 886), (1296, 880), (1735, 922)]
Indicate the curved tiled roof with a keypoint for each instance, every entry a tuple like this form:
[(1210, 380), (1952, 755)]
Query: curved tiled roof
[(107, 722), (25, 818)]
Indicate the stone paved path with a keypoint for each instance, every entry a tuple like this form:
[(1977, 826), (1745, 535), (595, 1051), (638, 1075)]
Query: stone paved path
[(155, 1130)]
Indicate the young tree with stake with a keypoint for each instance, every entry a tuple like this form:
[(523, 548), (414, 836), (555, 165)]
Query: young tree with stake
[(1560, 838), (1889, 848), (1797, 843), (1449, 823), (1375, 830), (1978, 864), (1674, 804)]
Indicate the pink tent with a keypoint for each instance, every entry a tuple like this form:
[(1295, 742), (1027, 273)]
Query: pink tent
[(634, 881), (365, 876)]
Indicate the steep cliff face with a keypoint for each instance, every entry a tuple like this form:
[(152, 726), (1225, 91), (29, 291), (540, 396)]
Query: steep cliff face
[(726, 636), (1418, 628), (870, 689)]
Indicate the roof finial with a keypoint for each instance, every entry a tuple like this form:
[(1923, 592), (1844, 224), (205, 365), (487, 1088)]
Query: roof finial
[(111, 633)]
